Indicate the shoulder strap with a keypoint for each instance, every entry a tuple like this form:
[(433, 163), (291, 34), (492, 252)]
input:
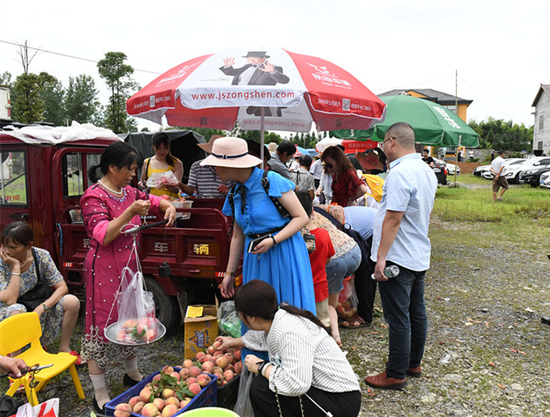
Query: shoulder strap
[(329, 216), (147, 168), (282, 211), (39, 278)]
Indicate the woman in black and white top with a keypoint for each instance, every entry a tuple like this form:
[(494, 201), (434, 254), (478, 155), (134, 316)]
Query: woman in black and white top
[(307, 374)]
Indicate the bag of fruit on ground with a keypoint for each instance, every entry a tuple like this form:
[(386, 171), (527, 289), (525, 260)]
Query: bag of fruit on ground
[(347, 300)]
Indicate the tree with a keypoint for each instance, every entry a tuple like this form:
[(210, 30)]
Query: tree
[(27, 105), (117, 77), (81, 100), (52, 95), (498, 134), (5, 78)]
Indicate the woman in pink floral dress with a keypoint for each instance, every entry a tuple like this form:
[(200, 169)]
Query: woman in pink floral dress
[(107, 206)]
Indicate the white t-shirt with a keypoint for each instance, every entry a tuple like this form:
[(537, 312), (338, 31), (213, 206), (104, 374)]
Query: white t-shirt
[(497, 164)]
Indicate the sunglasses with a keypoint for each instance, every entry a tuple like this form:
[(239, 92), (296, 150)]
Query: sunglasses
[(329, 166)]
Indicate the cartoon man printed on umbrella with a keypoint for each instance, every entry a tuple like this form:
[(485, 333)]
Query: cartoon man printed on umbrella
[(258, 71)]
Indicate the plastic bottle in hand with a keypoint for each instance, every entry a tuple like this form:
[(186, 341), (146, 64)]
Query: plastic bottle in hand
[(390, 271)]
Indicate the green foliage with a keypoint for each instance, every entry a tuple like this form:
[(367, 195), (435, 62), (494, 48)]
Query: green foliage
[(117, 77), (498, 134), (5, 78), (81, 101), (53, 96), (308, 140), (27, 104)]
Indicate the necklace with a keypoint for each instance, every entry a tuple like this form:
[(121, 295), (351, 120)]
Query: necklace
[(110, 189), (22, 265)]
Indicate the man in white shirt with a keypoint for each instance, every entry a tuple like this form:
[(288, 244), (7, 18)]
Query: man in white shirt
[(498, 180), (401, 238)]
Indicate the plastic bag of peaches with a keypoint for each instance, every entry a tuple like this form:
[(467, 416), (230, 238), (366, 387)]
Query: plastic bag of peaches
[(137, 323)]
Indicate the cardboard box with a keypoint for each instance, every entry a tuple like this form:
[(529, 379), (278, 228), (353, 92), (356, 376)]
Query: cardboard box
[(200, 332)]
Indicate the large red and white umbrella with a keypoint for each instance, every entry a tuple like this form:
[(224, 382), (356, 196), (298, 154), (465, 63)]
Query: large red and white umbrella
[(284, 91)]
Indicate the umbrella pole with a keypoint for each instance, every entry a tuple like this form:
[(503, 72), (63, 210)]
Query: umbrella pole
[(262, 136)]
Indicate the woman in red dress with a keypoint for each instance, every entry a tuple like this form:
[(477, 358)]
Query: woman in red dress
[(346, 185)]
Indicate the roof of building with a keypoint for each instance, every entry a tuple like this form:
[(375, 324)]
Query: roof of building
[(543, 87), (430, 94)]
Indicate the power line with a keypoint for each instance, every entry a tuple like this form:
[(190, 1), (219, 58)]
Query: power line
[(69, 56)]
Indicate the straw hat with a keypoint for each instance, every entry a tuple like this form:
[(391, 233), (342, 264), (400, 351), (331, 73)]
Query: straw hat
[(232, 153), (207, 147)]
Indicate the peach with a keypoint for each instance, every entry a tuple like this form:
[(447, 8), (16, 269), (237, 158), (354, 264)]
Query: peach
[(207, 367), (225, 382), (133, 401), (228, 375), (191, 380), (229, 356), (159, 402), (167, 393), (121, 335), (151, 335), (185, 402), (138, 407), (172, 400), (123, 407), (210, 350), (195, 371), (203, 380), (122, 413), (217, 370), (188, 363), (149, 410), (237, 354), (199, 355), (145, 394), (128, 324), (217, 354), (167, 370), (176, 375), (195, 388), (184, 373), (220, 379), (238, 367), (157, 377), (222, 361), (169, 410), (217, 344)]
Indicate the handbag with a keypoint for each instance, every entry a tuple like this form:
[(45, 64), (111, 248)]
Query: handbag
[(40, 293), (9, 405)]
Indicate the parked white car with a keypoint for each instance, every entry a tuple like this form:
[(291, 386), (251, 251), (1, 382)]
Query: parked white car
[(450, 167), (545, 180), (512, 171), (488, 175)]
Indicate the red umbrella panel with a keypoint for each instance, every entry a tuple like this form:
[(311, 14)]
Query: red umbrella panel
[(290, 91)]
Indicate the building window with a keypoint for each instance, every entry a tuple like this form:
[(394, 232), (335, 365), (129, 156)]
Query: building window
[(541, 122)]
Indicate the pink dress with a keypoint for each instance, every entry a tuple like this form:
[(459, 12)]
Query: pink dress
[(104, 263)]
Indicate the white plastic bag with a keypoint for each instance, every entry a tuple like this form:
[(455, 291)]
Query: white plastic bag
[(49, 408), (161, 179), (136, 310), (243, 407)]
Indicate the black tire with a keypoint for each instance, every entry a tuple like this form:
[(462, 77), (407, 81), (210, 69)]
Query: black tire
[(166, 307)]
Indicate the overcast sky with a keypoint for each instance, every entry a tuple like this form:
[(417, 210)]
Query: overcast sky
[(499, 48)]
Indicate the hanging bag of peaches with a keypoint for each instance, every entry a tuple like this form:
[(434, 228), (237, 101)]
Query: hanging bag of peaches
[(137, 323)]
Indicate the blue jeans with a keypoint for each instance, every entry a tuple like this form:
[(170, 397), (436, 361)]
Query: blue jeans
[(342, 267), (405, 312)]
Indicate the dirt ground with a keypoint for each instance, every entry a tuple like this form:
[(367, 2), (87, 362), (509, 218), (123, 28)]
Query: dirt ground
[(487, 351)]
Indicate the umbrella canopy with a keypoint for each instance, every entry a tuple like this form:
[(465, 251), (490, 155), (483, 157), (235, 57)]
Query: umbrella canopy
[(350, 146), (433, 124), (271, 88)]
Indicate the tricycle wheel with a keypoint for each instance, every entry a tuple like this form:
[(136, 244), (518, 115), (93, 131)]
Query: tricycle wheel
[(166, 307)]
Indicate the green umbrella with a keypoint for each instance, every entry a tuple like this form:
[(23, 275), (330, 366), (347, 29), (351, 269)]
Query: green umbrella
[(433, 124)]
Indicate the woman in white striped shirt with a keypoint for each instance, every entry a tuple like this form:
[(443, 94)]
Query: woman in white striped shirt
[(307, 374)]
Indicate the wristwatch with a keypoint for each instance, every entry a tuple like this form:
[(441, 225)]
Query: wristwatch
[(45, 306)]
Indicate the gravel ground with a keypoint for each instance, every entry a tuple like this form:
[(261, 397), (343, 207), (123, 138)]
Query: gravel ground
[(487, 350)]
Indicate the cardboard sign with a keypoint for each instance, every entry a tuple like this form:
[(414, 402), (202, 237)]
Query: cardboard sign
[(201, 328)]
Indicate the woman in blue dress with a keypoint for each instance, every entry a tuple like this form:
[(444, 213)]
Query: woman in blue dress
[(281, 258)]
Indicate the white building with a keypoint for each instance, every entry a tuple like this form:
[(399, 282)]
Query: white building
[(4, 102), (541, 136)]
